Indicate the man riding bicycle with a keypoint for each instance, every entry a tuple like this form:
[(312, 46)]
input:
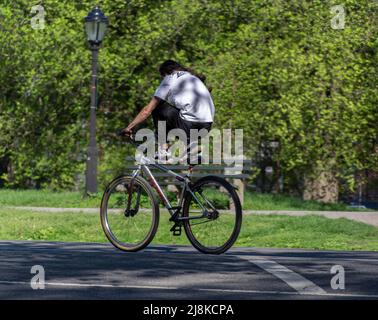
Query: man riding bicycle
[(182, 100)]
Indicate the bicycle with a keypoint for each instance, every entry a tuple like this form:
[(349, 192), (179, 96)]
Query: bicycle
[(209, 209)]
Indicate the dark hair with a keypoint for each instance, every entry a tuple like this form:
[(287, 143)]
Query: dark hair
[(169, 66)]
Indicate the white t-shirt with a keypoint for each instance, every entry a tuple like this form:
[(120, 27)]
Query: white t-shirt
[(187, 93)]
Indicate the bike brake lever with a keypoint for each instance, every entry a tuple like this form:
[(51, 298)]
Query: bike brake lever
[(130, 137)]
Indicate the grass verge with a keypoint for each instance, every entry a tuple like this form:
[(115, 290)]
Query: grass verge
[(253, 201), (309, 232)]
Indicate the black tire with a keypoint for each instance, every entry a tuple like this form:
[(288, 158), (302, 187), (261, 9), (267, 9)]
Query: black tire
[(152, 212), (195, 236)]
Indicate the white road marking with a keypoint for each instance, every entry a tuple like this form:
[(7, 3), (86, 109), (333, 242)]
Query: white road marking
[(280, 257), (293, 279), (294, 293), (101, 285), (89, 285)]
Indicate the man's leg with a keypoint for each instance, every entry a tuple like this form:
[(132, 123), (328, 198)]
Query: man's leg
[(169, 114), (193, 150), (165, 112)]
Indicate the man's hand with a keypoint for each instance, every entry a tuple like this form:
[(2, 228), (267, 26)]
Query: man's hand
[(126, 132)]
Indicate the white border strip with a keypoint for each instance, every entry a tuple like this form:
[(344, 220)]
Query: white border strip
[(293, 279), (99, 285), (89, 285)]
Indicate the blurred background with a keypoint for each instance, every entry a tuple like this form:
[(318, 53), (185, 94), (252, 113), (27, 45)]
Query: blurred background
[(299, 77)]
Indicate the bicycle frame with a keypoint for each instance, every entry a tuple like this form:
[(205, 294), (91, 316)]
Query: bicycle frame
[(144, 166)]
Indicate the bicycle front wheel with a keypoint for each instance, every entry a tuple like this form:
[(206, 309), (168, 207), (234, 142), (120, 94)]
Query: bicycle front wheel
[(218, 230), (129, 213)]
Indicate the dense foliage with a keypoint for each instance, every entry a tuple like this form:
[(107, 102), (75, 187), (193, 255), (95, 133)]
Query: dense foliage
[(277, 69)]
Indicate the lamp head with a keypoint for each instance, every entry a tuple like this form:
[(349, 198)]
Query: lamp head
[(96, 24)]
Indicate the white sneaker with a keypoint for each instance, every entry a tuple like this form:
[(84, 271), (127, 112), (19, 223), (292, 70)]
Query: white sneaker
[(163, 156)]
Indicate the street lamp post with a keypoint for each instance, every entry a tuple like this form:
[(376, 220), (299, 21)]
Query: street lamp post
[(95, 26)]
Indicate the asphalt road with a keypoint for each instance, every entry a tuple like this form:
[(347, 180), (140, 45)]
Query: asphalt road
[(99, 271)]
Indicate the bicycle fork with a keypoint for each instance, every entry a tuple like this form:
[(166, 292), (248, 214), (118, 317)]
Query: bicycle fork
[(132, 212)]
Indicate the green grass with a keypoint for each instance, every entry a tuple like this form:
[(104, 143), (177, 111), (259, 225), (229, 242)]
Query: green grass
[(253, 201), (45, 198), (311, 232), (264, 201)]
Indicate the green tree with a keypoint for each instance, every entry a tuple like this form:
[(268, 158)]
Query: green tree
[(277, 68), (294, 80)]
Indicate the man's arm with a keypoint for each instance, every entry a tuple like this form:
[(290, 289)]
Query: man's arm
[(142, 115)]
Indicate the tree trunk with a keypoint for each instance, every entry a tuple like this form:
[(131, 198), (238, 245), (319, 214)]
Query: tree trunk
[(321, 187)]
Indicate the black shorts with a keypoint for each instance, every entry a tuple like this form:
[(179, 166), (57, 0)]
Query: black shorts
[(170, 114)]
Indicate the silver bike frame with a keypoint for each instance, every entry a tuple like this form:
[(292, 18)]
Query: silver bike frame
[(143, 166)]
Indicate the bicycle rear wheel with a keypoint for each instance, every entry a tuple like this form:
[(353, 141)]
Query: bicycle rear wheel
[(129, 224), (217, 232)]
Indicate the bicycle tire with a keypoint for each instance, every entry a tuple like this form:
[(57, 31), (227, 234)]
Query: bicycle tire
[(104, 214), (238, 216)]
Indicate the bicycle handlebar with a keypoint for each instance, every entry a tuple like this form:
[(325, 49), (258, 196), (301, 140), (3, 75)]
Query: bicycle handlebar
[(130, 138)]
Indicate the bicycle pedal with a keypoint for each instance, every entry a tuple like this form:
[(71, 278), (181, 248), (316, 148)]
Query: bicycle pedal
[(176, 229)]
